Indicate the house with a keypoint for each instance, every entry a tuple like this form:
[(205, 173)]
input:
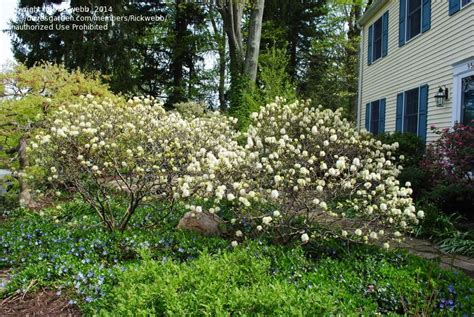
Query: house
[(416, 66)]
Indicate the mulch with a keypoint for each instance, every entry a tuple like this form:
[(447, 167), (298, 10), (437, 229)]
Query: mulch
[(42, 303)]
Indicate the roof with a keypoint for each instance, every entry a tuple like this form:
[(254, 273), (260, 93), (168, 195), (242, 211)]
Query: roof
[(371, 11)]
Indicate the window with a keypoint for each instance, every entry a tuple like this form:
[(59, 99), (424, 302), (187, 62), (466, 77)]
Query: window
[(412, 111), (414, 18), (456, 5), (378, 39), (467, 101), (377, 50), (410, 118), (375, 116)]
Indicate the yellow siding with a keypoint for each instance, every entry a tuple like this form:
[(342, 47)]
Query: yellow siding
[(425, 59)]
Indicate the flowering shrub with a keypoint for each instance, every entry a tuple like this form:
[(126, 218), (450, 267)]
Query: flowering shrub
[(109, 149), (449, 165), (314, 167), (191, 109), (451, 157)]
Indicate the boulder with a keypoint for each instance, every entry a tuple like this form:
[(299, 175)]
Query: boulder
[(202, 222)]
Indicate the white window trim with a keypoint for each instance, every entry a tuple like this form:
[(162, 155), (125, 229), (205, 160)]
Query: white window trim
[(463, 6), (460, 71)]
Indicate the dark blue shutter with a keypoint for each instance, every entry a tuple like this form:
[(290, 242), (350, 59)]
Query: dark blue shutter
[(401, 23), (367, 117), (371, 40), (385, 34), (454, 6), (399, 113), (382, 115), (423, 112), (426, 15)]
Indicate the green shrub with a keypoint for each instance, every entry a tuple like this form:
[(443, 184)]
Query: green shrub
[(453, 198), (261, 280), (273, 82), (409, 145), (436, 224)]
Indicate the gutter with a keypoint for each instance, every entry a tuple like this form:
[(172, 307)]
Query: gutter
[(371, 11)]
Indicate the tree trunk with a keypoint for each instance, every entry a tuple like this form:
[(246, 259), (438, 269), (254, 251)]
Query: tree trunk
[(178, 56), (253, 42), (242, 71), (220, 39), (231, 13), (222, 101)]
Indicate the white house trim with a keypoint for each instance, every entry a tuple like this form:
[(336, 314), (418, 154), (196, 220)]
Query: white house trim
[(460, 70)]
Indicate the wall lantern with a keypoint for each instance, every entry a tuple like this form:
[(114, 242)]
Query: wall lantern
[(441, 96)]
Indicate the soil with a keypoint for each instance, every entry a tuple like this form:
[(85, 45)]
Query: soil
[(43, 303)]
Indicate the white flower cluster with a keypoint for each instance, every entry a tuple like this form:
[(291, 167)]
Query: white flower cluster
[(135, 149), (308, 162), (312, 163)]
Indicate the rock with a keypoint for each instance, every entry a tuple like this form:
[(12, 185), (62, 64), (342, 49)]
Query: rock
[(202, 222)]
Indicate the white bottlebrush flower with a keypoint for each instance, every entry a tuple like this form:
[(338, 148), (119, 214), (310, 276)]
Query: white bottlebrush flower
[(234, 244), (239, 234), (420, 214), (344, 233), (259, 228), (386, 245), (274, 194), (304, 238), (358, 232), (356, 161), (276, 213), (266, 220)]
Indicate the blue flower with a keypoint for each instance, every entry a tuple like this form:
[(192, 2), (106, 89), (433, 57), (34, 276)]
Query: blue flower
[(451, 289)]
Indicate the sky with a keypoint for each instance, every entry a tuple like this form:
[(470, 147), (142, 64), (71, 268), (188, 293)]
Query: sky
[(7, 12)]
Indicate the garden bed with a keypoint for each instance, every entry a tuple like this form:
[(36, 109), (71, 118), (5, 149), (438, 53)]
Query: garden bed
[(41, 303), (161, 270)]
